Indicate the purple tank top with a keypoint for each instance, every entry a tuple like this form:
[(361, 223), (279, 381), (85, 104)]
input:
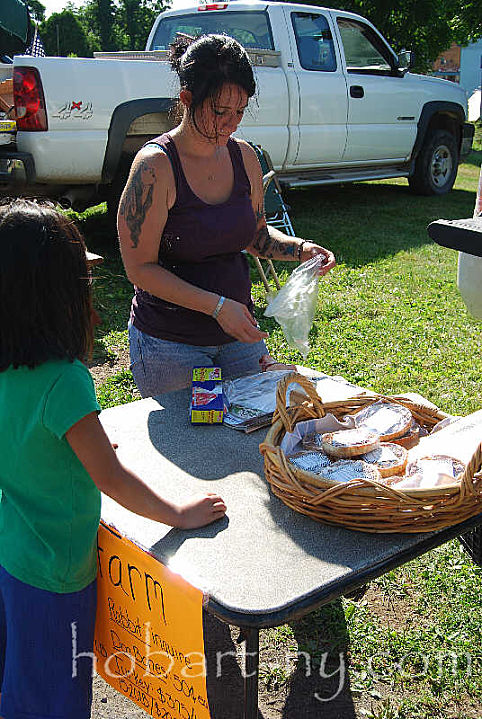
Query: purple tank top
[(201, 244)]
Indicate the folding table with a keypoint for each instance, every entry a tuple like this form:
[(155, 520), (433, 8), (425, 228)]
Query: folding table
[(261, 565)]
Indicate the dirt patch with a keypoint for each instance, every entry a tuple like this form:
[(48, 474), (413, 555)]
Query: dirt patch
[(105, 367), (396, 612)]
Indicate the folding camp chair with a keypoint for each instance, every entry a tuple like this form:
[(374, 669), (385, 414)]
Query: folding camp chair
[(276, 212), (275, 207)]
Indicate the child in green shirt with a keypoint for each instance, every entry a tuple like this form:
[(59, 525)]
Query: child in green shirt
[(55, 461)]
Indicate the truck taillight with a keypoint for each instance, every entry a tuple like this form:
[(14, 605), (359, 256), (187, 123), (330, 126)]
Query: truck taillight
[(213, 6), (28, 97)]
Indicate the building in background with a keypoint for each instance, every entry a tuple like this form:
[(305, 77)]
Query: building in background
[(447, 65), (462, 65), (471, 67)]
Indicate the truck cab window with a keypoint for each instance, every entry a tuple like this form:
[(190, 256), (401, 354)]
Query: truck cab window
[(364, 50), (314, 41), (251, 29)]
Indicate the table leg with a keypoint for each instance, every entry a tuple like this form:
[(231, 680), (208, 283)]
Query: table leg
[(251, 672)]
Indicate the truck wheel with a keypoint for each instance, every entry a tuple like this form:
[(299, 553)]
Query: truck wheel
[(436, 165), (116, 188)]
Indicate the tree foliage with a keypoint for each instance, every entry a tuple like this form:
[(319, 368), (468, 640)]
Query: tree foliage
[(62, 34), (99, 19), (135, 18), (36, 10), (121, 26)]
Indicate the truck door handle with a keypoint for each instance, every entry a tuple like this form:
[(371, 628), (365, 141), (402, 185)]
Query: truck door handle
[(356, 91)]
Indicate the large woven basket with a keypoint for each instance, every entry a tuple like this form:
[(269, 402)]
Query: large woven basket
[(363, 504)]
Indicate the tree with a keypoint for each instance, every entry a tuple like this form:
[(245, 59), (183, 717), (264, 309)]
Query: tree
[(124, 26), (99, 20), (36, 10), (62, 34), (467, 21), (135, 19)]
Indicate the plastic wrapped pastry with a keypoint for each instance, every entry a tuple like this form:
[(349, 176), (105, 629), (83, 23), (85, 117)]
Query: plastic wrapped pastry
[(387, 419), (349, 442), (388, 458)]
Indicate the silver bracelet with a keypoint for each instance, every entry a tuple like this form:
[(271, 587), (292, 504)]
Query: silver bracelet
[(218, 307)]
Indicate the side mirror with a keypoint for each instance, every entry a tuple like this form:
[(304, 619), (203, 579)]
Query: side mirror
[(406, 60)]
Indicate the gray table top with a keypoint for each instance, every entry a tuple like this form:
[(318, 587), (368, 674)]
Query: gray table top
[(263, 559)]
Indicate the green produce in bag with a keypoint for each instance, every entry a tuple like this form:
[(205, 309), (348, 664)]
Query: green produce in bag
[(294, 306)]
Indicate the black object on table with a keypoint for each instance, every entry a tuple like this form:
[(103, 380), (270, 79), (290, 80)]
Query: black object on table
[(263, 564), (462, 235)]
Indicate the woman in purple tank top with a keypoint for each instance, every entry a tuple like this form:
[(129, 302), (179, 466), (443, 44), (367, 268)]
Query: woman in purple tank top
[(192, 204)]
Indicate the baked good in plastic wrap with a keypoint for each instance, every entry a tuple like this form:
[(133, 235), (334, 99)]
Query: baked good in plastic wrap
[(349, 442), (412, 437), (389, 458), (387, 419), (433, 471), (310, 461), (344, 470), (457, 438)]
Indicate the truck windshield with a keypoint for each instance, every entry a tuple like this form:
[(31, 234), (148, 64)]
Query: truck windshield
[(251, 29)]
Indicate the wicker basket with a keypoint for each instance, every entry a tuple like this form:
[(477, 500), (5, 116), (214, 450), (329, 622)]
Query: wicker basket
[(364, 505)]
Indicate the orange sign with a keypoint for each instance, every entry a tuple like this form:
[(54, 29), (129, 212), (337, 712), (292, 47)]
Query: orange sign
[(148, 637)]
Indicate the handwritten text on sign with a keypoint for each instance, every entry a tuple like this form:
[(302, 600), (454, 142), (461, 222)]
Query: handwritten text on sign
[(148, 635)]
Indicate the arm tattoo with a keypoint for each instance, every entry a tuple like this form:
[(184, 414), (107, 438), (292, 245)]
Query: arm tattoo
[(269, 247), (137, 199)]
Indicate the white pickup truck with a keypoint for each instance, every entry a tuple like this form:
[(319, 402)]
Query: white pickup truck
[(334, 104)]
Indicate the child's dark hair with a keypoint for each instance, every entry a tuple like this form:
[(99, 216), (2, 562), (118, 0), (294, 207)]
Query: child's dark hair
[(207, 63), (45, 296)]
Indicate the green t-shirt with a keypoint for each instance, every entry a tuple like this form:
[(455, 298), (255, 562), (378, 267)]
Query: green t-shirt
[(50, 507)]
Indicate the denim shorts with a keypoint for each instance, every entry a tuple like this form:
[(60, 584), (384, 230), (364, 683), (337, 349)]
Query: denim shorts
[(160, 366), (43, 635)]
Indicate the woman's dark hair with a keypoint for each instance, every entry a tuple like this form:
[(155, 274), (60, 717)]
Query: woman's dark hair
[(45, 296), (207, 63)]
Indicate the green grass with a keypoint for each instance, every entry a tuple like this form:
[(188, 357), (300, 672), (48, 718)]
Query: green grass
[(389, 317), (477, 144)]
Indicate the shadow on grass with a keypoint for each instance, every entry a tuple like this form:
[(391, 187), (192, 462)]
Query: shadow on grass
[(96, 227), (365, 222), (100, 354), (475, 158), (112, 295), (320, 686), (312, 683)]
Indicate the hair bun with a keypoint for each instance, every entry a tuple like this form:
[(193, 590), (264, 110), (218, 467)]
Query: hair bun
[(178, 47)]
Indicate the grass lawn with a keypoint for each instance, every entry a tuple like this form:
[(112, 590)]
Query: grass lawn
[(390, 318)]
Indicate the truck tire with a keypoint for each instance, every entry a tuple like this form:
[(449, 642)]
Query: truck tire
[(436, 165)]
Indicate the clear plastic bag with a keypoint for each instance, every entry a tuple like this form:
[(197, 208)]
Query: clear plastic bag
[(294, 306)]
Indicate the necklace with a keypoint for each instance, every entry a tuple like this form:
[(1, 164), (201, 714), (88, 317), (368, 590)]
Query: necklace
[(212, 175)]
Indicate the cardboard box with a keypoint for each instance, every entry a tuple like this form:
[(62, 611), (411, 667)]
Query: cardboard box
[(207, 401)]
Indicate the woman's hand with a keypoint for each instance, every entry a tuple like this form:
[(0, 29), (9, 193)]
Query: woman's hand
[(310, 250), (236, 320)]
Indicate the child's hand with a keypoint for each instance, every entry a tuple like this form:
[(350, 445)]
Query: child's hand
[(201, 511)]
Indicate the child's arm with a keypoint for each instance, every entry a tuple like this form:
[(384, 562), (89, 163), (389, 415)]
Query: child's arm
[(91, 445)]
